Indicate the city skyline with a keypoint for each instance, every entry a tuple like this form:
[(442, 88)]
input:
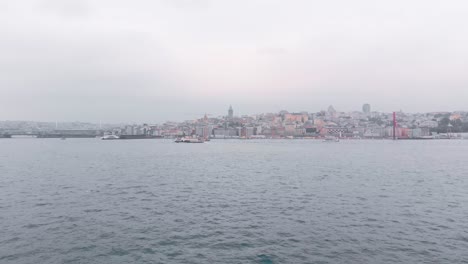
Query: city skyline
[(303, 124), (224, 113)]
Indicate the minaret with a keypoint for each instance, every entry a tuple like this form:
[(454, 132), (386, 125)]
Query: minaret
[(230, 112)]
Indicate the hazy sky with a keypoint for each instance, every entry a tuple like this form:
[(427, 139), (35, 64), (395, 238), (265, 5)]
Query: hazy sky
[(151, 61)]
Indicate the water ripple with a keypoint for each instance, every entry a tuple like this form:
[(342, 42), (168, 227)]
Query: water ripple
[(232, 202)]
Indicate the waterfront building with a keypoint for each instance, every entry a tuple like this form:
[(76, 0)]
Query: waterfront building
[(247, 132), (258, 130), (311, 131), (128, 130), (289, 129), (299, 132), (400, 132), (374, 132), (225, 132), (203, 131), (333, 130)]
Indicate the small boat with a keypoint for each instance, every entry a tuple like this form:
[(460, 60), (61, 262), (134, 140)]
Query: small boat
[(63, 138), (189, 140), (331, 139), (110, 137)]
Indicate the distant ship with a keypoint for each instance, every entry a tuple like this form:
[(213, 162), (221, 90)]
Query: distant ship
[(110, 137), (189, 140)]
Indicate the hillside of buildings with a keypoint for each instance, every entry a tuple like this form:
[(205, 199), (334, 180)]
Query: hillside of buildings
[(356, 124)]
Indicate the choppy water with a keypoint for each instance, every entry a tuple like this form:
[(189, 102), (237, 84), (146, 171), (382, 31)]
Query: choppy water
[(229, 201)]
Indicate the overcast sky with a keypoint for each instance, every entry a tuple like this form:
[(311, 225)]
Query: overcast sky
[(151, 61)]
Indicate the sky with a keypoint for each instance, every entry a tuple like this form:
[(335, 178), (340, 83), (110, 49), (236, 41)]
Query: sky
[(158, 60)]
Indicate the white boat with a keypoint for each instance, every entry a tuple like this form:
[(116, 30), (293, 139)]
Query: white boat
[(189, 140), (110, 137)]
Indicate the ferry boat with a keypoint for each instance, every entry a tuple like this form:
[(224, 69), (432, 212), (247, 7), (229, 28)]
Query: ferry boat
[(189, 140)]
